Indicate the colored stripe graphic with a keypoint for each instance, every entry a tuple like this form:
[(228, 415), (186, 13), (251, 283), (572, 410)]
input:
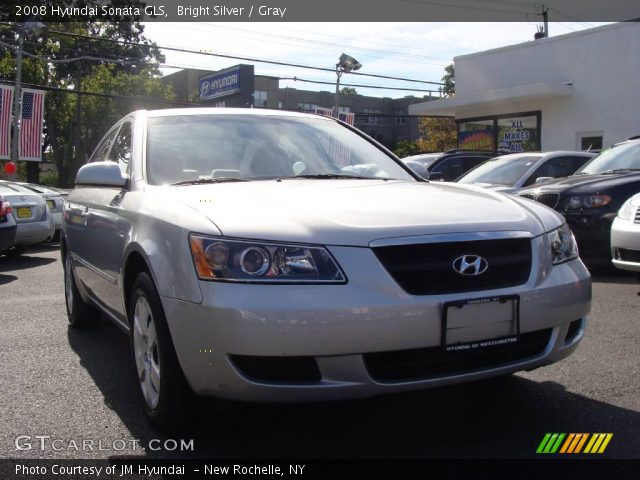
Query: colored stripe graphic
[(573, 443)]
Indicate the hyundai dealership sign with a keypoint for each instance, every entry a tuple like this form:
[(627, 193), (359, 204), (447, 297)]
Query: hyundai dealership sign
[(220, 84)]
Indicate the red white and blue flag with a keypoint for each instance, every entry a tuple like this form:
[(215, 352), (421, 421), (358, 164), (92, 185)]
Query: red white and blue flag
[(30, 147), (6, 104)]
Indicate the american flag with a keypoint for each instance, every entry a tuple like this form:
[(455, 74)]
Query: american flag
[(31, 125), (6, 104)]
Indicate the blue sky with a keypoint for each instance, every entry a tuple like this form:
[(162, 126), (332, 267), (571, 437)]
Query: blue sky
[(409, 50)]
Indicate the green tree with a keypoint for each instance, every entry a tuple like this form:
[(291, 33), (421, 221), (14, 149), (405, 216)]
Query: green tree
[(437, 134), (404, 148), (348, 91), (449, 80), (124, 64)]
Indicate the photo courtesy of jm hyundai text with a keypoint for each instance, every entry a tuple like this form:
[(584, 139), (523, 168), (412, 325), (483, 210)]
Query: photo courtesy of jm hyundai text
[(271, 256)]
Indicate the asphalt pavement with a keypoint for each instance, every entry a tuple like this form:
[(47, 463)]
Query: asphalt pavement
[(72, 394)]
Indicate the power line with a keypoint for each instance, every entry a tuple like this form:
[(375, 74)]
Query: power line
[(297, 79), (235, 57), (103, 95), (331, 44)]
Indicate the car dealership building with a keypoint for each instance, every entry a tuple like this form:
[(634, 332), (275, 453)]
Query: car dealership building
[(570, 92), (385, 119)]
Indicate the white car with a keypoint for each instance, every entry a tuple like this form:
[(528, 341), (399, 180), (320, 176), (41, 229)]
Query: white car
[(625, 236), (265, 255)]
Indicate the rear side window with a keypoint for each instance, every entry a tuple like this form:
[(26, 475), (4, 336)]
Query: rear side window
[(101, 151), (121, 150)]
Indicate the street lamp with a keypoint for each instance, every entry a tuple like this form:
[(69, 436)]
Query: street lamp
[(345, 64), (31, 28)]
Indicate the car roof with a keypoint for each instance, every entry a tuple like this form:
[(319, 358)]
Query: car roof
[(261, 112)]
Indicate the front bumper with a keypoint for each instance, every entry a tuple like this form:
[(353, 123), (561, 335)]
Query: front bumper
[(625, 245), (338, 325), (592, 231)]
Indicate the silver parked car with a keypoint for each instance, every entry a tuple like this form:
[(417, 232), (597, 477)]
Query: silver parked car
[(513, 172), (31, 214), (54, 200), (275, 256), (625, 236)]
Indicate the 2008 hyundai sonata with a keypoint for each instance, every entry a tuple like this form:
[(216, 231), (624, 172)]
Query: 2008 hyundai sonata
[(276, 256)]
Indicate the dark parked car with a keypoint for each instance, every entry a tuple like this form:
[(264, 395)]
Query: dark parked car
[(591, 197), (7, 226), (447, 166)]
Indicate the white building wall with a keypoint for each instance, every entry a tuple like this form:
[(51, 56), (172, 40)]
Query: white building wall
[(602, 64)]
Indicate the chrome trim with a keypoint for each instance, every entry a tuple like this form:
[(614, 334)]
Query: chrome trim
[(95, 269), (448, 237)]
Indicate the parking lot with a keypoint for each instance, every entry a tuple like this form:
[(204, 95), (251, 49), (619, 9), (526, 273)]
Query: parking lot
[(78, 385)]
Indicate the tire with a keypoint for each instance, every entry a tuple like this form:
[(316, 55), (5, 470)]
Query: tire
[(79, 312), (166, 396)]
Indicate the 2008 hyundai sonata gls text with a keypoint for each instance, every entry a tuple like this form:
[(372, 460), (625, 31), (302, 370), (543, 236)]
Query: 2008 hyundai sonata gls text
[(276, 256)]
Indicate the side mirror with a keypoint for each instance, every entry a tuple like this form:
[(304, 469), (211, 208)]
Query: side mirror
[(419, 168), (542, 180), (105, 174)]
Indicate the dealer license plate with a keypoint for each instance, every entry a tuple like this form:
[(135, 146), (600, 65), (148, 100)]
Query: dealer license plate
[(24, 212), (480, 323)]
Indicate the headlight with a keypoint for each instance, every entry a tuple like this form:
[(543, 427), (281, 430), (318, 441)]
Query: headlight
[(587, 201), (247, 261), (563, 245), (627, 210)]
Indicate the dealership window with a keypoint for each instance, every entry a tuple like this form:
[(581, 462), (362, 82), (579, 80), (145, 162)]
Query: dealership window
[(371, 118), (307, 107), (518, 132), (259, 98), (590, 142)]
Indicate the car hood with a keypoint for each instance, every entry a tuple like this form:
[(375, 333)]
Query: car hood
[(356, 212), (586, 183), (497, 188)]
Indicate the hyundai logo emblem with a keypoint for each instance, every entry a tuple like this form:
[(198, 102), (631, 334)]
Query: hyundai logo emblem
[(470, 265)]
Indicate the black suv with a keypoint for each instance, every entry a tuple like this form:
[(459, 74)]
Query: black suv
[(448, 166), (590, 198)]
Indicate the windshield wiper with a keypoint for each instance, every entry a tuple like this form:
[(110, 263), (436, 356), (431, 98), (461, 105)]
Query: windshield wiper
[(202, 181), (330, 176), (620, 170)]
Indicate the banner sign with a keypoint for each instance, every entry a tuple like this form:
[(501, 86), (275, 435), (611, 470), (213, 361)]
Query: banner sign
[(6, 105), (31, 121), (477, 139), (220, 84)]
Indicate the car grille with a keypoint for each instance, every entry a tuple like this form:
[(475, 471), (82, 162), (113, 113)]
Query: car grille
[(629, 255), (434, 362), (548, 199), (427, 269), (637, 219)]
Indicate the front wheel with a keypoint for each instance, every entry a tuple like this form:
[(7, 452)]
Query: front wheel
[(165, 393)]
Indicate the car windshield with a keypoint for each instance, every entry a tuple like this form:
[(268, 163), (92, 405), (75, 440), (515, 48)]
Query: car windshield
[(505, 170), (426, 160), (219, 147), (625, 156)]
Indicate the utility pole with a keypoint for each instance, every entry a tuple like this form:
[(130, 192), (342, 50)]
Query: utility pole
[(545, 19), (17, 100)]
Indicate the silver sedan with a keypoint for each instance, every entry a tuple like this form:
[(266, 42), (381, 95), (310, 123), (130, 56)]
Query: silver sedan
[(274, 256), (513, 172), (31, 214)]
